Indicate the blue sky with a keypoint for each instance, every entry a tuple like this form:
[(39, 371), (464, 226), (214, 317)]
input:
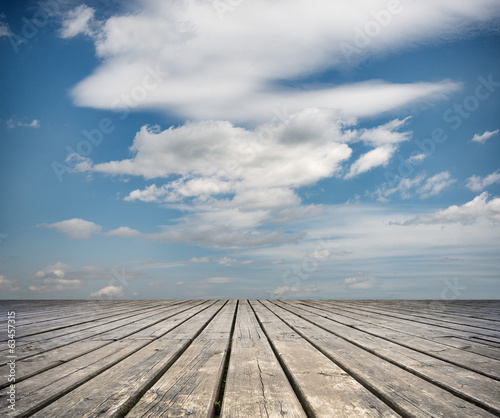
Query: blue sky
[(237, 149)]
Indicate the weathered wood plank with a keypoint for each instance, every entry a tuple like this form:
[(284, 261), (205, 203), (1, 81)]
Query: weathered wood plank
[(395, 332), (190, 386), (469, 385), (407, 394), (327, 390), (110, 392), (256, 385)]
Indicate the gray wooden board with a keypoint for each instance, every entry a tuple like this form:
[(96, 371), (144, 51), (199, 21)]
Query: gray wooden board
[(326, 389), (108, 393), (30, 366), (256, 385), (190, 386), (94, 315), (472, 361), (432, 321), (120, 328), (462, 382), (460, 314), (454, 338), (408, 394)]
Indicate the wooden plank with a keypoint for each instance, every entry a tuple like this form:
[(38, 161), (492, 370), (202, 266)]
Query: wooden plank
[(256, 385), (438, 323), (190, 386), (454, 338), (127, 324), (110, 392), (407, 394), (30, 366), (95, 314), (325, 389), (469, 385), (397, 334)]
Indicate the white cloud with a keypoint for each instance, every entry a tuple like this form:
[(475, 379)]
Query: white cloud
[(4, 27), (230, 181), (385, 139), (477, 184), (15, 123), (482, 138), (57, 270), (466, 214), (226, 261), (435, 184), (212, 64), (7, 285), (417, 158), (75, 228), (54, 278), (78, 21), (123, 231), (108, 292), (359, 282), (60, 276), (421, 185), (282, 291), (199, 260)]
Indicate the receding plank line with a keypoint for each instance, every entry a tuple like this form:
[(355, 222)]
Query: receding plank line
[(43, 390), (324, 389), (473, 387), (190, 386), (407, 394), (256, 384)]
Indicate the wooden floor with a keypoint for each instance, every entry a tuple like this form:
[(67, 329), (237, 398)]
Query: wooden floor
[(253, 358)]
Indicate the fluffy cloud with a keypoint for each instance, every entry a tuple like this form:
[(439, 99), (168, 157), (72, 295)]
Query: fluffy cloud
[(53, 278), (283, 291), (477, 184), (16, 123), (226, 261), (229, 180), (75, 228), (213, 64), (359, 282), (108, 292), (385, 139), (466, 214), (78, 21), (123, 232), (7, 285), (435, 184), (484, 137)]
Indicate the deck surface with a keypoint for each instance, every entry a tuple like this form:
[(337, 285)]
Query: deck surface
[(204, 358)]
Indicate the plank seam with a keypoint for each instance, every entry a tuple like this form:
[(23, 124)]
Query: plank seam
[(125, 409), (302, 400), (219, 399), (59, 395)]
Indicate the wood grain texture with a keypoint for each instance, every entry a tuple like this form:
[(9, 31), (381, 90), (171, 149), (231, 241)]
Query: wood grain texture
[(259, 358)]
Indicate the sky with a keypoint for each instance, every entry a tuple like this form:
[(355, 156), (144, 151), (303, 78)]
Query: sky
[(198, 149)]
